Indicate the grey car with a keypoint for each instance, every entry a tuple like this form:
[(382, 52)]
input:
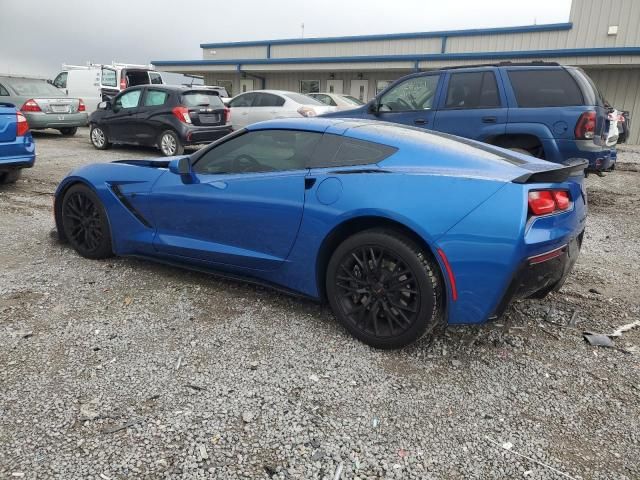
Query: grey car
[(43, 105)]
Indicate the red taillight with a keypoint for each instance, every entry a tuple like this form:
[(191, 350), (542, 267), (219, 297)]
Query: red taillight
[(123, 82), (227, 114), (22, 125), (586, 126), (81, 106), (30, 106), (543, 202), (182, 114)]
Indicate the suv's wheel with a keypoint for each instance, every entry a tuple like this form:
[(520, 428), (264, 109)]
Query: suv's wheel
[(98, 138), (170, 144), (84, 222), (384, 289), (68, 131), (11, 176)]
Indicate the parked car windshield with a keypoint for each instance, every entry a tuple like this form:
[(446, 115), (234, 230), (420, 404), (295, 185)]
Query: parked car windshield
[(352, 100), (201, 99), (30, 87), (302, 99)]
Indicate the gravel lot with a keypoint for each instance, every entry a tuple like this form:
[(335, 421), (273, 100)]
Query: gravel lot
[(123, 368)]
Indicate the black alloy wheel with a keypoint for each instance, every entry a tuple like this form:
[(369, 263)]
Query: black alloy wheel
[(85, 223), (384, 289)]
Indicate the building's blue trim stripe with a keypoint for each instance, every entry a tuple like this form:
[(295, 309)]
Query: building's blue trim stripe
[(568, 52), (398, 36)]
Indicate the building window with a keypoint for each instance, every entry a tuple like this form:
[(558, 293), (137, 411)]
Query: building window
[(309, 86), (381, 85)]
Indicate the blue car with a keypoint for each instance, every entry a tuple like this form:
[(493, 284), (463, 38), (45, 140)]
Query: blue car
[(546, 110), (400, 230), (17, 150)]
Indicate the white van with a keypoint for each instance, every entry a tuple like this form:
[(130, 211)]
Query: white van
[(95, 83)]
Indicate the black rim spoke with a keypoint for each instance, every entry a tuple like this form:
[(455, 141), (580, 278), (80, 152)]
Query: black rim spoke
[(83, 222), (378, 291)]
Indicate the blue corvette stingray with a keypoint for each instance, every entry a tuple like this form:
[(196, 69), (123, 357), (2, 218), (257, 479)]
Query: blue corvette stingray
[(402, 231)]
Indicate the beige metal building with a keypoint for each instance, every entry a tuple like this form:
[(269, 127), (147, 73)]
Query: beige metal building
[(602, 36)]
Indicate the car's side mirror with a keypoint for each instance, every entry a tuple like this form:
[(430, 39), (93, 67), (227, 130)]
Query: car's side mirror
[(180, 166), (373, 107), (104, 105)]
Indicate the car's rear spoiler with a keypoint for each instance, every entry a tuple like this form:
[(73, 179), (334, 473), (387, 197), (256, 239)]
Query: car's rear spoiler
[(565, 170)]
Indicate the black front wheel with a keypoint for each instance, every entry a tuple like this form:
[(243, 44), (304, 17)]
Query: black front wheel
[(384, 288), (85, 224), (99, 138)]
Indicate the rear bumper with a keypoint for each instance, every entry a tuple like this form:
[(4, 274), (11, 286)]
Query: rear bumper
[(542, 273), (191, 135), (600, 157), (39, 120), (20, 153)]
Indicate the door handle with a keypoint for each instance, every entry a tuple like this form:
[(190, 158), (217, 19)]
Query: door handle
[(489, 120), (420, 121)]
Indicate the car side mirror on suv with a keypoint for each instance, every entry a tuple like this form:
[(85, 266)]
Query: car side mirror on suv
[(104, 105)]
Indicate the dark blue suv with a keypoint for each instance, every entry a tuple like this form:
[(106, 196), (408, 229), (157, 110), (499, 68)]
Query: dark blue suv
[(547, 110)]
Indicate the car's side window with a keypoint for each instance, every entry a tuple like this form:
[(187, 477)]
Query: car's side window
[(260, 151), (415, 93), (245, 100), (155, 98), (61, 80), (3, 91), (326, 99), (155, 78), (128, 100), (339, 151), (267, 100), (472, 90)]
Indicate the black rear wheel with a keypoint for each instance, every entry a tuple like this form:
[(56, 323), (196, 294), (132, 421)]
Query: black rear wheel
[(68, 131), (170, 144), (384, 288), (11, 176), (85, 224)]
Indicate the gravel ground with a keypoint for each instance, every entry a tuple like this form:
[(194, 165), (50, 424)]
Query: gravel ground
[(123, 368)]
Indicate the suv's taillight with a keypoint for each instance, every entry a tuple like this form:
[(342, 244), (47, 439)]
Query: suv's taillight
[(586, 126), (81, 106), (227, 114), (30, 106), (544, 202), (182, 114), (123, 82), (22, 125)]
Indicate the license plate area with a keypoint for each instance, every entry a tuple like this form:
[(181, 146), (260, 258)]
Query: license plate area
[(61, 108), (209, 118)]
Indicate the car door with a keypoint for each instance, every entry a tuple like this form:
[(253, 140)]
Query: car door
[(241, 109), (242, 204), (146, 125), (119, 120), (472, 105), (409, 102)]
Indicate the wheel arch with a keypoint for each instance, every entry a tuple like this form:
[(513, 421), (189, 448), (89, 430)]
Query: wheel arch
[(526, 141), (359, 224)]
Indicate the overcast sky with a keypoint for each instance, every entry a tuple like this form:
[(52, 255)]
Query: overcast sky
[(37, 36)]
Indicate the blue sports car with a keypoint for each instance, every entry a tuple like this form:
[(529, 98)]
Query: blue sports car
[(400, 230)]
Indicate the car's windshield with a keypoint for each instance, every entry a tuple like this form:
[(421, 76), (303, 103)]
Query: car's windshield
[(31, 87), (202, 99), (302, 99), (352, 100)]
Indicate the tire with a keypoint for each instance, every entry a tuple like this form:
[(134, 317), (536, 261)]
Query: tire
[(69, 131), (170, 144), (99, 138), (85, 224), (521, 150), (11, 176), (366, 300)]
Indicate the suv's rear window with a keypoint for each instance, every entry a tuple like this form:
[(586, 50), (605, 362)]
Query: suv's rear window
[(201, 99), (545, 88)]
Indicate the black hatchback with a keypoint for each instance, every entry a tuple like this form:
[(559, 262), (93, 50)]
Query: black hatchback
[(167, 117)]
